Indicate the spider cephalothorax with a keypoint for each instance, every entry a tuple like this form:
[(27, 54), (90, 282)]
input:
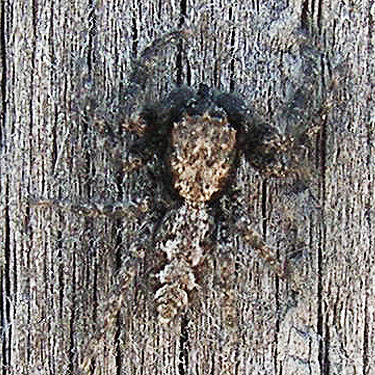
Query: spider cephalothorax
[(202, 155)]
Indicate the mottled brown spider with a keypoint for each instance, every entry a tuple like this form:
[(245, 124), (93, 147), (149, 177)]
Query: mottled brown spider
[(199, 137)]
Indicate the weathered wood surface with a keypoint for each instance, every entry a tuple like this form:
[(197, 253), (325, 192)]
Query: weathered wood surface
[(57, 268)]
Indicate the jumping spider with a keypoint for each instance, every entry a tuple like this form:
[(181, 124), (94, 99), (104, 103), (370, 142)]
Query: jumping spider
[(199, 136)]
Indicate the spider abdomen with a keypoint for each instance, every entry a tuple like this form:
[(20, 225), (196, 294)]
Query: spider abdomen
[(185, 238)]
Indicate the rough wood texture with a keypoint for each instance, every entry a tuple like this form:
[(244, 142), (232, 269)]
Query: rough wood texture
[(58, 59)]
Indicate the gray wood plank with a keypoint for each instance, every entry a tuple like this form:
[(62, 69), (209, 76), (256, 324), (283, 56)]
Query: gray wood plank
[(65, 63)]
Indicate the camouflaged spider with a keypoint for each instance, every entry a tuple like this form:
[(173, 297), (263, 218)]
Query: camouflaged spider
[(199, 136)]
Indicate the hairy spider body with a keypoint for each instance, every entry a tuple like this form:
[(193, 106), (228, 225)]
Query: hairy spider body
[(200, 135), (201, 156)]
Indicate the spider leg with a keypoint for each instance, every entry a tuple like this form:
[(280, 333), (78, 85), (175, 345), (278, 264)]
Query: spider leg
[(284, 155), (112, 308), (115, 210), (153, 123), (130, 118), (273, 152), (260, 142), (264, 146), (255, 240)]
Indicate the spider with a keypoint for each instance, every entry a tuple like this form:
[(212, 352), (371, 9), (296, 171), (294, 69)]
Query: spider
[(199, 136)]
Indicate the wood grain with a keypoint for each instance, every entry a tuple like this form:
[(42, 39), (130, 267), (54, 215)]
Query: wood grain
[(63, 63)]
